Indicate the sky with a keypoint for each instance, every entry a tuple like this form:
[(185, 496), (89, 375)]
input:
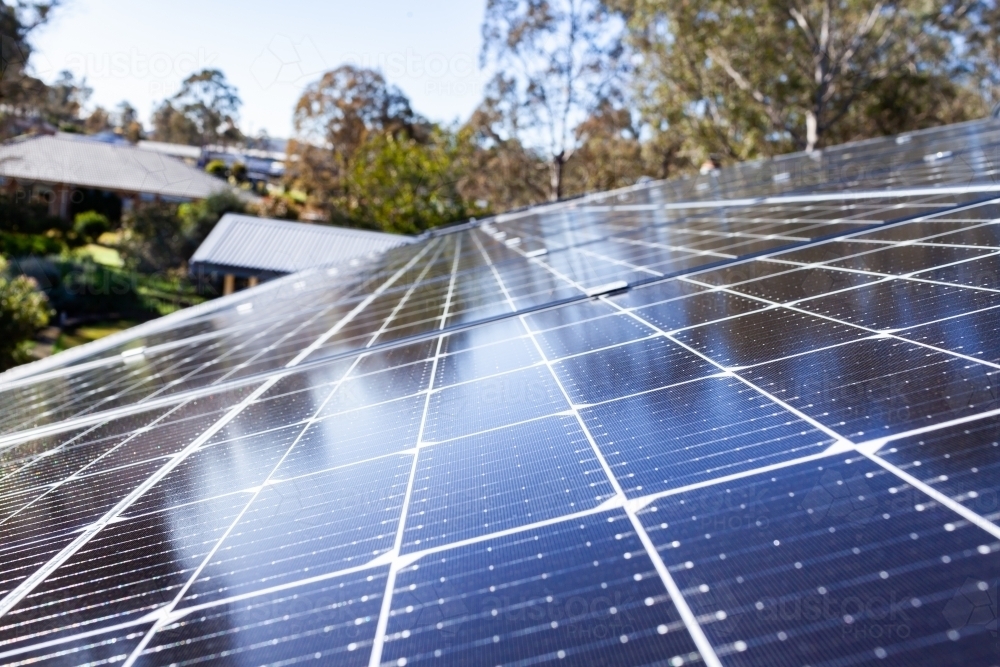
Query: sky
[(141, 52)]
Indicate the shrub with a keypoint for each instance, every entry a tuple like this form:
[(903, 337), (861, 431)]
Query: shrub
[(217, 168), (90, 225), (239, 172), (23, 311), (24, 245), (160, 237)]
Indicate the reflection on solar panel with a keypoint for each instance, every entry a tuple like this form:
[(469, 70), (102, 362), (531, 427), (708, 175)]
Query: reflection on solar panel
[(749, 418)]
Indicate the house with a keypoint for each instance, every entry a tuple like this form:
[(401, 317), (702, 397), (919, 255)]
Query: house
[(255, 249), (71, 172), (264, 163), (188, 154)]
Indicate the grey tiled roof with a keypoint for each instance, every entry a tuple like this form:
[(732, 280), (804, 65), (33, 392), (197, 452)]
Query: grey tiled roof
[(279, 246), (74, 160)]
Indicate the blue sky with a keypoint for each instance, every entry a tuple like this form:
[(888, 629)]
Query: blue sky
[(140, 52)]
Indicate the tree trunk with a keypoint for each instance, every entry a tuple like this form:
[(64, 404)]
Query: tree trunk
[(812, 131), (556, 177)]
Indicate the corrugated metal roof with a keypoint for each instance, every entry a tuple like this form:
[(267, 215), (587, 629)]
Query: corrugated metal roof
[(79, 161), (177, 150), (279, 246)]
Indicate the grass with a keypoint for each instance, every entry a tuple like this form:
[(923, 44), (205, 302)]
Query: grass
[(102, 255)]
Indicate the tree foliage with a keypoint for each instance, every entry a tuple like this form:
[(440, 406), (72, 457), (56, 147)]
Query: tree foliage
[(760, 77), (401, 185), (23, 311), (89, 225), (365, 159), (502, 172), (333, 118), (204, 111), (19, 91), (558, 61), (161, 237)]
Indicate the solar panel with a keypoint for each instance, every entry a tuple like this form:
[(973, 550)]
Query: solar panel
[(745, 418)]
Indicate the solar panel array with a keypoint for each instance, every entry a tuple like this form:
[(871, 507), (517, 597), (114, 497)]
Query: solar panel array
[(749, 418)]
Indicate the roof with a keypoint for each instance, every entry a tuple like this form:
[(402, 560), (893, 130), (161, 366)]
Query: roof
[(75, 160), (750, 418), (176, 150), (279, 246)]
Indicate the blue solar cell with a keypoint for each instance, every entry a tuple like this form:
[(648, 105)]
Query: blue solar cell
[(697, 309), (901, 259), (960, 461), (694, 432), (900, 304), (874, 388), (331, 621), (106, 648), (591, 335), (801, 284), (502, 479), (658, 292), (126, 572), (482, 361), (355, 435), (232, 466), (492, 403), (307, 527), (975, 335), (762, 336), (626, 369), (833, 562), (983, 272), (573, 314), (583, 590)]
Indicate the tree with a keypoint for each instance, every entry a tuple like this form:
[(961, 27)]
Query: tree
[(28, 102), (98, 121), (126, 122), (23, 311), (501, 172), (204, 111), (559, 60), (333, 118), (161, 237), (65, 100), (982, 51), (19, 90), (610, 154), (760, 77), (198, 219), (172, 126), (398, 184)]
